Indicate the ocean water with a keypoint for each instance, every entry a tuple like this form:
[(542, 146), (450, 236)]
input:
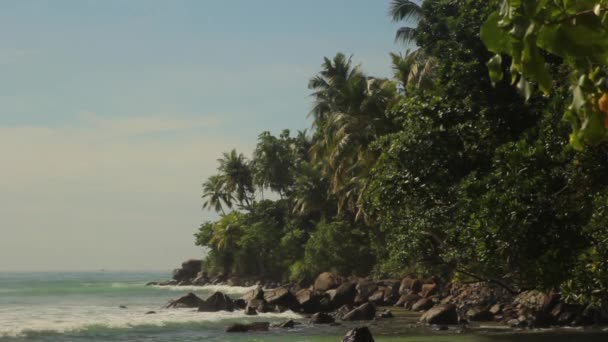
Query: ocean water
[(85, 306)]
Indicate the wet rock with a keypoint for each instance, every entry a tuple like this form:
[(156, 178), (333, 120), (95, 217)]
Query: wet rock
[(365, 288), (495, 309), (359, 334), (189, 300), (344, 294), (256, 293), (151, 283), (259, 305), (257, 326), (321, 318), (150, 312), (478, 314), (326, 281), (239, 304), (280, 296), (308, 301), (407, 301), (364, 312), (287, 324), (122, 307), (250, 311), (440, 314), (386, 314), (436, 327), (429, 290), (200, 279), (409, 285), (423, 304), (216, 302)]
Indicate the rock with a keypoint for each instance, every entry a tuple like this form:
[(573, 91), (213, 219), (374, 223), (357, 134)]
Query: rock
[(542, 319), (256, 326), (281, 297), (321, 318), (343, 310), (478, 314), (423, 304), (151, 283), (428, 290), (409, 285), (365, 288), (326, 281), (256, 293), (436, 327), (515, 323), (259, 305), (386, 314), (407, 301), (168, 283), (192, 266), (187, 301), (287, 324), (122, 307), (344, 294), (200, 279), (150, 312), (216, 302), (250, 311), (239, 304), (440, 314), (364, 312), (308, 301), (359, 334), (495, 309), (185, 282)]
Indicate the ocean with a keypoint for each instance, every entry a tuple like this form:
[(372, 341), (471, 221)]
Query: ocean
[(85, 306)]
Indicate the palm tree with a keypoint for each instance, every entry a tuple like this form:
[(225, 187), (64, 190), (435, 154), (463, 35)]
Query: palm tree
[(215, 194), (237, 176), (400, 10), (415, 68), (349, 113), (226, 234)]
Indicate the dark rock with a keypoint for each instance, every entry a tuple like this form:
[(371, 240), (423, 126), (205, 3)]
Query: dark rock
[(386, 314), (256, 293), (168, 283), (477, 314), (423, 304), (321, 318), (542, 319), (151, 283), (280, 296), (409, 285), (515, 323), (256, 326), (185, 282), (187, 301), (364, 312), (344, 294), (407, 301), (200, 279), (359, 334), (326, 281), (239, 304), (495, 309), (343, 310), (250, 311), (217, 302), (150, 312), (440, 314), (309, 301), (122, 307), (365, 288), (259, 305), (287, 324)]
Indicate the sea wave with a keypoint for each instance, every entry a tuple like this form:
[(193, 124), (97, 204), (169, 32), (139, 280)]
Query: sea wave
[(92, 320), (229, 290)]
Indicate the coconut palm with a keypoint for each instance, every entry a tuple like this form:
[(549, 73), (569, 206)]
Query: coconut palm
[(349, 113), (215, 194), (237, 176), (400, 10), (226, 235)]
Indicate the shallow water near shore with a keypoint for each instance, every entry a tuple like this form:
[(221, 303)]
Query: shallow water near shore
[(84, 306)]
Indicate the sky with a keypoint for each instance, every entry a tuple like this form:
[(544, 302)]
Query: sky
[(113, 112)]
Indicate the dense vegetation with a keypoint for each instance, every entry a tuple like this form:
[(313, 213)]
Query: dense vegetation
[(443, 170)]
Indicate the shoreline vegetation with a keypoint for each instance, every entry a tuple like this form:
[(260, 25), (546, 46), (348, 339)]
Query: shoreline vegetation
[(476, 190)]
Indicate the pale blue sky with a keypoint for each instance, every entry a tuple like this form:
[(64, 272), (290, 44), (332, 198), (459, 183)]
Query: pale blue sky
[(112, 112)]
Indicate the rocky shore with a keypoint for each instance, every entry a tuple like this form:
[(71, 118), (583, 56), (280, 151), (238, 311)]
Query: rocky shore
[(332, 299)]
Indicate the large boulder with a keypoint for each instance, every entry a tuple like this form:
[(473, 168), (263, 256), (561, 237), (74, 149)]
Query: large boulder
[(407, 301), (409, 285), (479, 314), (423, 304), (321, 318), (344, 294), (359, 334), (187, 301), (309, 301), (440, 314), (216, 302), (188, 271), (256, 326), (326, 281), (281, 296), (429, 290), (259, 305), (364, 312), (200, 279), (256, 293)]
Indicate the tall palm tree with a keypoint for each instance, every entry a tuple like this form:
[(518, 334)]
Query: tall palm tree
[(415, 68), (237, 176), (349, 113), (215, 194), (226, 234), (400, 10)]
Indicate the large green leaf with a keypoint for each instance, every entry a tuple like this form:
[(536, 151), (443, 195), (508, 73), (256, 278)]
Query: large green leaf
[(495, 38)]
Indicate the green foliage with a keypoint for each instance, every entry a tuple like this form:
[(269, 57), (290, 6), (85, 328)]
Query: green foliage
[(576, 31)]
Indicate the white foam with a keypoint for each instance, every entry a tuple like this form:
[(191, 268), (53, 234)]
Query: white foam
[(229, 290), (18, 321)]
